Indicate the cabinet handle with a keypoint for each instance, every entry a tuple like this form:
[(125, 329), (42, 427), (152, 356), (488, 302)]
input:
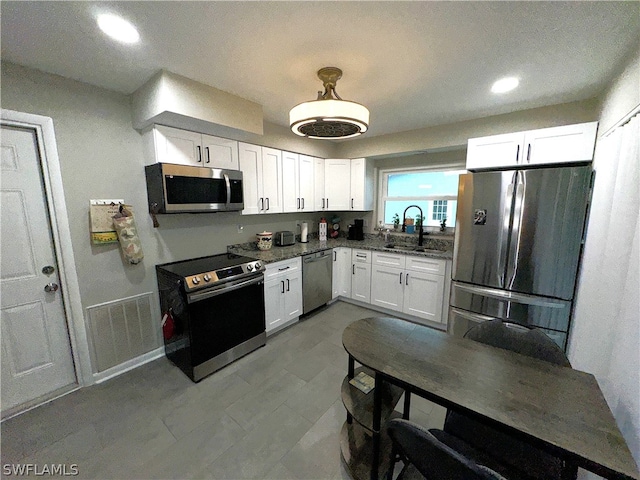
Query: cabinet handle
[(261, 203), (323, 203), (406, 279), (335, 256), (400, 278), (352, 204), (302, 203), (199, 153), (517, 153), (287, 284), (284, 268), (353, 269), (528, 153), (282, 282), (208, 154), (267, 203), (298, 200), (327, 203)]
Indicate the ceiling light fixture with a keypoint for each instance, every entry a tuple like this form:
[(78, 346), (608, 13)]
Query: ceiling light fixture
[(329, 116), (118, 28), (505, 85)]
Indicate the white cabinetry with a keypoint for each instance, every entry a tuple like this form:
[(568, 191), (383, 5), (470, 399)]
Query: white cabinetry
[(173, 145), (341, 282), (297, 182), (408, 284), (348, 184), (319, 200), (282, 293), (262, 178), (565, 144), (361, 275), (337, 183)]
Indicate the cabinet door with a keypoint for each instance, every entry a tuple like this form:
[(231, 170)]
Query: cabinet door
[(337, 184), (220, 153), (495, 151), (250, 159), (423, 296), (570, 143), (342, 272), (177, 146), (293, 295), (274, 303), (387, 287), (272, 180), (318, 182), (290, 183), (359, 198), (361, 282), (306, 176)]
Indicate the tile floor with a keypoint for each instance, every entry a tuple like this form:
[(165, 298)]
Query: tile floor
[(274, 414)]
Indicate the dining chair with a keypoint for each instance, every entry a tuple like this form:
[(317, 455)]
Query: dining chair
[(424, 456), (479, 441)]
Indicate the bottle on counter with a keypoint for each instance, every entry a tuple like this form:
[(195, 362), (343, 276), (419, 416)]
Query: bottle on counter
[(322, 230)]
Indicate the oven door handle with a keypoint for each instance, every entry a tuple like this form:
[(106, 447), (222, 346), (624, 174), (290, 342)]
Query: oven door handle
[(230, 287)]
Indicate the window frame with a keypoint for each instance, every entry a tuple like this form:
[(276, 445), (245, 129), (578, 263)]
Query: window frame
[(383, 175)]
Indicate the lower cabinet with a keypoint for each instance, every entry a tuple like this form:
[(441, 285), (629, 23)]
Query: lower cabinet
[(341, 284), (361, 275), (282, 293), (412, 285)]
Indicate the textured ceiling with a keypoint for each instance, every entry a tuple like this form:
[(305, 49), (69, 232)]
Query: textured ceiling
[(414, 64)]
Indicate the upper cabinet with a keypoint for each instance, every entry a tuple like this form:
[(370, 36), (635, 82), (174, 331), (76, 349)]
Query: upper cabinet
[(348, 184), (566, 144), (262, 179), (298, 182), (173, 145), (319, 200)]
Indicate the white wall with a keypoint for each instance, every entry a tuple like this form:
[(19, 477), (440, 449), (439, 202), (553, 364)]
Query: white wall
[(605, 335)]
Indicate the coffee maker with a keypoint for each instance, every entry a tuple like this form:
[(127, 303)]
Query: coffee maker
[(356, 231)]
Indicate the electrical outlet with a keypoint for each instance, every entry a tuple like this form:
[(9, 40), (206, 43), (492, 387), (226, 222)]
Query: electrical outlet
[(240, 228)]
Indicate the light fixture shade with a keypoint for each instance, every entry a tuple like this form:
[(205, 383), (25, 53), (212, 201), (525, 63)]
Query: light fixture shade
[(329, 116), (329, 119)]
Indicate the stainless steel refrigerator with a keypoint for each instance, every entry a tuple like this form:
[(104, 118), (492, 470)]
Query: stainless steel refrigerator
[(518, 242)]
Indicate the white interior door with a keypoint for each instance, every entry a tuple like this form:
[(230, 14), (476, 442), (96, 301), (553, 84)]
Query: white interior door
[(36, 351)]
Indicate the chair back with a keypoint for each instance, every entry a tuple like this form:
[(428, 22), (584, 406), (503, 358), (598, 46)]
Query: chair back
[(432, 458), (520, 339)]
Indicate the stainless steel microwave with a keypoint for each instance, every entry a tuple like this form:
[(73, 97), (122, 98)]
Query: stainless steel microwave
[(181, 188)]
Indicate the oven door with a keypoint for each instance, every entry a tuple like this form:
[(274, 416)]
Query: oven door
[(226, 322)]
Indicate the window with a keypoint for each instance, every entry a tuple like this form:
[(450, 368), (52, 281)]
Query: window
[(435, 192)]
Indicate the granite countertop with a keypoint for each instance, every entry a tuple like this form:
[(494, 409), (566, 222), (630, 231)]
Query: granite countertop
[(437, 248)]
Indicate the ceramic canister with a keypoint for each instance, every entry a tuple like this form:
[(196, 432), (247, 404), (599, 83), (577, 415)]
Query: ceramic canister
[(264, 240)]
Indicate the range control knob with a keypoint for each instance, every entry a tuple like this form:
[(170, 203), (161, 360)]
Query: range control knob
[(257, 265), (249, 268), (195, 280), (206, 277)]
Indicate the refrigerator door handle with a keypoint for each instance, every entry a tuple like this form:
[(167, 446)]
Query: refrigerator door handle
[(475, 317), (506, 226), (516, 229), (511, 296)]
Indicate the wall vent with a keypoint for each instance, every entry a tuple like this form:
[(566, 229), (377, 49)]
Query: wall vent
[(122, 330)]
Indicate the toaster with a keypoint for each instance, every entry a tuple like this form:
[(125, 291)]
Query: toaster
[(282, 239)]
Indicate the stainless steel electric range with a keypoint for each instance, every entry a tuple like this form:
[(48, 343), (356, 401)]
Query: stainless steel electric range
[(213, 311)]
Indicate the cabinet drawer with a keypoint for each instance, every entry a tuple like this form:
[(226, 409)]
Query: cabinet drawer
[(426, 265), (360, 256), (389, 259), (286, 267)]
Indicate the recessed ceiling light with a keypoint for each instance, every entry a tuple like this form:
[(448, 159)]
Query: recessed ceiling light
[(118, 28), (505, 85)]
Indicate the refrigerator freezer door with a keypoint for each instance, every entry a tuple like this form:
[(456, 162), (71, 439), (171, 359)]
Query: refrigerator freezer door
[(549, 212), (542, 312), (483, 222)]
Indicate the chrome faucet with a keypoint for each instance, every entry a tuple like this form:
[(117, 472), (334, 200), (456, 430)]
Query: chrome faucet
[(420, 231)]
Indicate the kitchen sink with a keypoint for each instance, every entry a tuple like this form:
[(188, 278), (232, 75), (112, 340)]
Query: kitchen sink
[(412, 248)]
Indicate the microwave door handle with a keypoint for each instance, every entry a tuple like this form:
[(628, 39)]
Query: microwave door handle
[(228, 185)]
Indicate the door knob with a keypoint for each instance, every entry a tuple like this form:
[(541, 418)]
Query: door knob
[(48, 270), (51, 287)]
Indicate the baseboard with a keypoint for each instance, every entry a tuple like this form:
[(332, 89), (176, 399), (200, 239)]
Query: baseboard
[(128, 365)]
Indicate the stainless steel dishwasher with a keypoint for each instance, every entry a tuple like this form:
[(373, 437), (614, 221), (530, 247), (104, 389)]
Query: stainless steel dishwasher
[(317, 269)]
